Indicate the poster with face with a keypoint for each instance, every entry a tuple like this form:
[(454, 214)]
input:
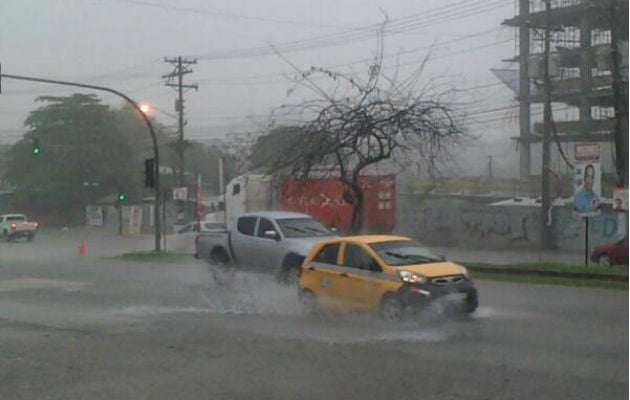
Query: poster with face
[(587, 188), (620, 199)]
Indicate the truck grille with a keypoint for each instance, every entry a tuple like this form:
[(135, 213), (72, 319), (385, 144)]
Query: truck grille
[(448, 280)]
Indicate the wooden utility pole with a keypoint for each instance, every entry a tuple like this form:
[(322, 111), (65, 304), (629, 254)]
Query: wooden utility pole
[(524, 93), (621, 109), (181, 69)]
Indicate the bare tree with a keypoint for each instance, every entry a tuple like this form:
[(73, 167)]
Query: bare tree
[(356, 123)]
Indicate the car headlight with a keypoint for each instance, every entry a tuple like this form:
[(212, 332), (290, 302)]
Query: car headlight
[(411, 277)]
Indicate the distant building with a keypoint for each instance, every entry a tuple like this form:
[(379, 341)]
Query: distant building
[(581, 70)]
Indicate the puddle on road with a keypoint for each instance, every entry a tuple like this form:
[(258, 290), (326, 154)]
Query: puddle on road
[(483, 313), (256, 303)]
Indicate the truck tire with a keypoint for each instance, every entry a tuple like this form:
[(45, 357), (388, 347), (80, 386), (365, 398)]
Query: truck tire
[(291, 269), (219, 256), (219, 267)]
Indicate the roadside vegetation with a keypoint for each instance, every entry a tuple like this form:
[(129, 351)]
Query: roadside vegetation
[(555, 274), (151, 256)]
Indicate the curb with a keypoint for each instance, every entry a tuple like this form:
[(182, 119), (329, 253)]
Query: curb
[(555, 274)]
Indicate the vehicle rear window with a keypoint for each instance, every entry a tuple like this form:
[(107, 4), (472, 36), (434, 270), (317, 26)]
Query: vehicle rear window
[(16, 218), (213, 225), (328, 254), (246, 225)]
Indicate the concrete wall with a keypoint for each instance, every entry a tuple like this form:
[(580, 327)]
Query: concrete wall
[(469, 221)]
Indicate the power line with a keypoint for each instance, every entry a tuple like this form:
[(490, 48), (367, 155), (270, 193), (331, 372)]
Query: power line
[(200, 11), (413, 22)]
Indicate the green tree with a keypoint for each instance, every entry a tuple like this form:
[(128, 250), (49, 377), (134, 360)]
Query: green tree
[(84, 155), (279, 142), (351, 123)]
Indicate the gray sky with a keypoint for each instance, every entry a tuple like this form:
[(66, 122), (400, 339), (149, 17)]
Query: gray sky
[(122, 44)]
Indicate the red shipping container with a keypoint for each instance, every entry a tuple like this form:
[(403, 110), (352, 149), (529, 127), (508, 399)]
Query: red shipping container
[(323, 199)]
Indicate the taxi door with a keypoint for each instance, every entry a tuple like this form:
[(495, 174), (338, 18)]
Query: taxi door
[(319, 275), (359, 282)]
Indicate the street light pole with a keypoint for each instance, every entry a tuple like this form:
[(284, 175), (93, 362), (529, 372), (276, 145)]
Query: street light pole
[(156, 155)]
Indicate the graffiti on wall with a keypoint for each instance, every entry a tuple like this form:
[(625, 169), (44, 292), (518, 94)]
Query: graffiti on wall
[(510, 224), (571, 227)]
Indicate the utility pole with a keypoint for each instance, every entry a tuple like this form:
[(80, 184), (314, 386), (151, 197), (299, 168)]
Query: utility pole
[(621, 109), (545, 233), (182, 67), (524, 95)]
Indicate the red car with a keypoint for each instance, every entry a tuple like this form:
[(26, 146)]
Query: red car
[(611, 253)]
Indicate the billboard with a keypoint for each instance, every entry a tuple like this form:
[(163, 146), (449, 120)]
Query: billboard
[(587, 180)]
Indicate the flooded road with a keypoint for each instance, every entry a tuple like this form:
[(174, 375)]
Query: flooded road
[(100, 328)]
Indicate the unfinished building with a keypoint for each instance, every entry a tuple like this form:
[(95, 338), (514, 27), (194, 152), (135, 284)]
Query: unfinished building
[(588, 78)]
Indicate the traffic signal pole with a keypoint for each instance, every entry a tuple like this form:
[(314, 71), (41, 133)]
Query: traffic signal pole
[(156, 156)]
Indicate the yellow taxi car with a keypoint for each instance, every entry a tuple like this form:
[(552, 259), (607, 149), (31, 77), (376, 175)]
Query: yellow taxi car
[(386, 273)]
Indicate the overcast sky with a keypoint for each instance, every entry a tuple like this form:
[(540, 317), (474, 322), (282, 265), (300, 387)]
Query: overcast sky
[(122, 44)]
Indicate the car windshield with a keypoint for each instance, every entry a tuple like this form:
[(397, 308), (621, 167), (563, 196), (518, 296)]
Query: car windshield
[(404, 252), (16, 218), (302, 227)]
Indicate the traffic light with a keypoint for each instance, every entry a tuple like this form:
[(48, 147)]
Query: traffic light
[(149, 172), (36, 149), (122, 196)]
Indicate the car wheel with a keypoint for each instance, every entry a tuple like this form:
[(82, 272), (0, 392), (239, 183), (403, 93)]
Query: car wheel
[(5, 236), (604, 260), (308, 303), (391, 308)]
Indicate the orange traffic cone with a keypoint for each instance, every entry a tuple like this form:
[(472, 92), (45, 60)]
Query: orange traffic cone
[(82, 249)]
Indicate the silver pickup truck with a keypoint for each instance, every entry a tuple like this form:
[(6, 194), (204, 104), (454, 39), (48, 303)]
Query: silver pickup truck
[(266, 241)]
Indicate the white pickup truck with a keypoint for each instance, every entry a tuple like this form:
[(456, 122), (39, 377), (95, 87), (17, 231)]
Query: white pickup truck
[(13, 226), (273, 242)]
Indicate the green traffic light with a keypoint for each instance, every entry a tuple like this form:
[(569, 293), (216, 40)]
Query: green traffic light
[(122, 196), (36, 148)]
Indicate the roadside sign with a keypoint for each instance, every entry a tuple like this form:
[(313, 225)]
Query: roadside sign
[(585, 152), (180, 193), (587, 180), (94, 215)]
